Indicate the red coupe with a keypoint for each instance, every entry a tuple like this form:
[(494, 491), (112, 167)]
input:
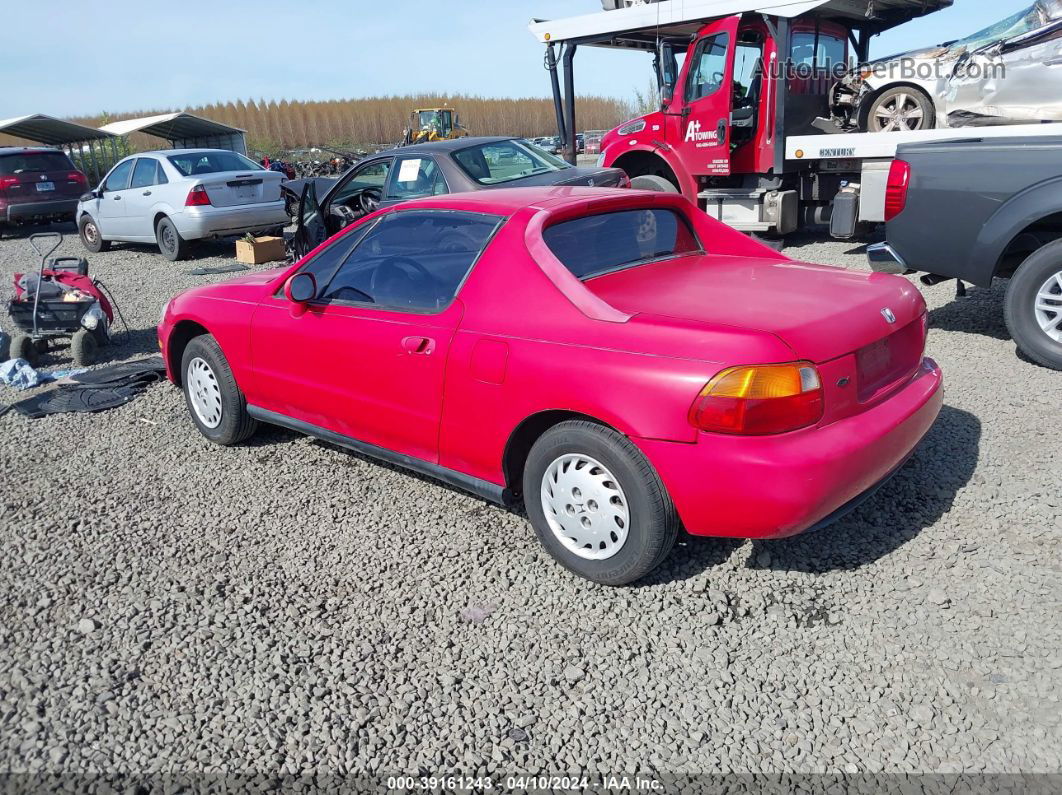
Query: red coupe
[(625, 364)]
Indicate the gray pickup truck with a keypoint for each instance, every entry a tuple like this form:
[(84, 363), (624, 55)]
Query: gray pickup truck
[(979, 208)]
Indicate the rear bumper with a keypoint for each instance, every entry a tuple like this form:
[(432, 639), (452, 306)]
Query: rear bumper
[(883, 258), (777, 486), (198, 222), (44, 209)]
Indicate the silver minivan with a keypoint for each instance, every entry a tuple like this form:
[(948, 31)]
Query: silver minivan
[(174, 196)]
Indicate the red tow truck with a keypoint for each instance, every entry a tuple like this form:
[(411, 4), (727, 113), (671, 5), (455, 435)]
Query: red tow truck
[(743, 127)]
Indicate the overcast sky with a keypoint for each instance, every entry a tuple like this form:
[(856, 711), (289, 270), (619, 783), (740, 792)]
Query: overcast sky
[(67, 58)]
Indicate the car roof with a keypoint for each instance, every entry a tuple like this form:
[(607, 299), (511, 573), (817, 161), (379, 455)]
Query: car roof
[(14, 150), (166, 152), (446, 146), (507, 201)]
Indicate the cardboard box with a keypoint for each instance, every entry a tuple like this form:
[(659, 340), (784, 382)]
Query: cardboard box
[(259, 250)]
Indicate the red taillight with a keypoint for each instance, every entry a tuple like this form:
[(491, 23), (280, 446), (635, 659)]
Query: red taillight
[(7, 182), (760, 399), (197, 197), (896, 188), (76, 176)]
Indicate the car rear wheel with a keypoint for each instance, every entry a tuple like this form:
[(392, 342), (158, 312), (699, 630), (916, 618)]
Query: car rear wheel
[(217, 406), (901, 109), (1033, 306), (171, 244), (597, 504), (90, 235)]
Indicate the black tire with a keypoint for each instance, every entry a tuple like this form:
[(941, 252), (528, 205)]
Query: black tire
[(654, 182), (235, 424), (1025, 293), (653, 522), (89, 233), (912, 98), (170, 242), (83, 347), (22, 347)]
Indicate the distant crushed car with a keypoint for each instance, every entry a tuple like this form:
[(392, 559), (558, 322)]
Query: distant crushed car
[(998, 75)]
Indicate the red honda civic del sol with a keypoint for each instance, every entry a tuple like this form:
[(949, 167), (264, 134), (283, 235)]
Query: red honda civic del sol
[(617, 359)]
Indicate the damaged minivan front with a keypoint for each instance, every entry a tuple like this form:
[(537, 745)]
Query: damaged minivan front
[(994, 76)]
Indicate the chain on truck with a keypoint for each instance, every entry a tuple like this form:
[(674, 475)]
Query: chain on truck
[(743, 127)]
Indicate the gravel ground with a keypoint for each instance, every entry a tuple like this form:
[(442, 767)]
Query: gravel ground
[(175, 607)]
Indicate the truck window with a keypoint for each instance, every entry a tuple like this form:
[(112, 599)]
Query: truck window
[(830, 50), (708, 67)]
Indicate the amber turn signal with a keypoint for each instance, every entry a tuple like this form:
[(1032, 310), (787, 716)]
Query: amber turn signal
[(760, 399)]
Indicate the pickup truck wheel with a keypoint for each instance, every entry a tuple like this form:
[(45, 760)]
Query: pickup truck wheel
[(902, 108), (171, 244), (217, 406), (596, 503), (1033, 307), (653, 182)]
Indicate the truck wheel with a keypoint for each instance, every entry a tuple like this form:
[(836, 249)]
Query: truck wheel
[(902, 108), (653, 182), (1033, 306), (90, 235), (597, 505), (171, 244)]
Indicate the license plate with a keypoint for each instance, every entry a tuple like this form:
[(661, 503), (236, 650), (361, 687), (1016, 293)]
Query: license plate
[(43, 186), (244, 191)]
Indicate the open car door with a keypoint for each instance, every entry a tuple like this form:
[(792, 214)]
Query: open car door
[(310, 231)]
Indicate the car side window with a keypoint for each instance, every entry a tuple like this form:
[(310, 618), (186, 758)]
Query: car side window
[(160, 174), (413, 260), (371, 175), (708, 67), (143, 173), (414, 177), (118, 179)]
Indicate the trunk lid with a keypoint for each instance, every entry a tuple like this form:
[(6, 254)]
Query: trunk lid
[(236, 188), (820, 312)]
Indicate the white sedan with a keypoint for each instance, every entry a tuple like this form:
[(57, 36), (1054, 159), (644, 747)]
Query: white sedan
[(174, 196)]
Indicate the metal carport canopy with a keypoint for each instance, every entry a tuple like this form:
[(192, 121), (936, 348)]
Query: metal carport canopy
[(51, 131), (181, 128), (683, 17)]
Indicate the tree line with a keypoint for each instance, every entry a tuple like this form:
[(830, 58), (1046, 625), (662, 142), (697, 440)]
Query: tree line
[(274, 127)]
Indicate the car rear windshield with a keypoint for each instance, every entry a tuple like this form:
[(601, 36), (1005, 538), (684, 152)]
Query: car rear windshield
[(34, 161), (191, 164), (599, 244), (505, 161)]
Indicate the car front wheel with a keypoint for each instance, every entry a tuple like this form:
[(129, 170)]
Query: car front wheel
[(1033, 306), (217, 406), (90, 235), (901, 109), (596, 503)]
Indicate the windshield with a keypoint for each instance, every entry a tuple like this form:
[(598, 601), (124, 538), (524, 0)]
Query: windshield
[(1033, 17), (34, 161), (439, 120), (506, 161), (191, 164), (598, 244)]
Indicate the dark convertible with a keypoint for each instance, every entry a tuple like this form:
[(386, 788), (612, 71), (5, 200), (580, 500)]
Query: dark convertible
[(431, 169)]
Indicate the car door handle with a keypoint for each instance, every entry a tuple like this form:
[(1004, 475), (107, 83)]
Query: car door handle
[(117, 198), (419, 345), (146, 193)]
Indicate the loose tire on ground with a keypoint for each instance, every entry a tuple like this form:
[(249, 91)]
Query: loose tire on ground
[(651, 524), (22, 347), (216, 404), (89, 233), (900, 109), (83, 347), (171, 244), (653, 182), (1032, 308)]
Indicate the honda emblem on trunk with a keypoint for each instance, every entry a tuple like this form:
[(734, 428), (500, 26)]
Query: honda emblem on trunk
[(888, 315)]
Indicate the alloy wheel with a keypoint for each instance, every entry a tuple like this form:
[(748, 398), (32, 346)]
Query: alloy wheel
[(901, 112), (1047, 307)]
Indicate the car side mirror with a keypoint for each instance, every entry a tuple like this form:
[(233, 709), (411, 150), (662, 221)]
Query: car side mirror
[(87, 197), (301, 288)]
